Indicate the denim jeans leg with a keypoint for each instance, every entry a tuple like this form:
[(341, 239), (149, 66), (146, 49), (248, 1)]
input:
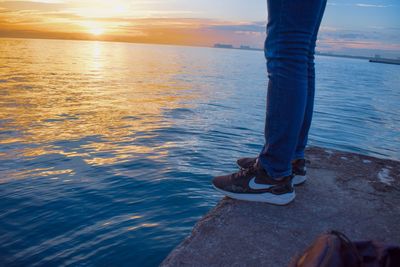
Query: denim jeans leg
[(290, 31), (303, 136)]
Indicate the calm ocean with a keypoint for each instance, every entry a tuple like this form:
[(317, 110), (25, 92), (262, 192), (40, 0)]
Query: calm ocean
[(107, 149)]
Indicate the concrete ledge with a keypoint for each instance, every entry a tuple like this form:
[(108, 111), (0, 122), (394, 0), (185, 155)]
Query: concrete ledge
[(355, 194)]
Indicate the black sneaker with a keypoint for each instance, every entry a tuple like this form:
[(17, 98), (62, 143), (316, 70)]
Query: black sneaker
[(299, 169), (254, 184)]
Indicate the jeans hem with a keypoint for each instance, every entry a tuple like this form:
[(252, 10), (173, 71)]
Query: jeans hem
[(274, 175), (298, 156)]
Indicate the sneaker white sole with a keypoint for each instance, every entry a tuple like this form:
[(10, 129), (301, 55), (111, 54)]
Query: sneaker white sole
[(299, 179), (265, 197)]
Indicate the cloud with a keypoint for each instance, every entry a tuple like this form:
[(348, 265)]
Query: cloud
[(187, 31), (352, 36), (254, 27), (29, 5), (358, 5), (370, 5), (344, 41)]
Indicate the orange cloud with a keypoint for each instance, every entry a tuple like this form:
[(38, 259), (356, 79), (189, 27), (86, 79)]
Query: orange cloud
[(205, 32)]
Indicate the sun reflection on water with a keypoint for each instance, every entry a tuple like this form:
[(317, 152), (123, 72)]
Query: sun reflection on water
[(86, 100)]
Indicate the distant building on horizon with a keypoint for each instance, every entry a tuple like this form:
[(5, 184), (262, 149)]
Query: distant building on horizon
[(247, 47), (223, 46)]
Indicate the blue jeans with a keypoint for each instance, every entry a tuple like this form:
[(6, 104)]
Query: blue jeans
[(292, 31)]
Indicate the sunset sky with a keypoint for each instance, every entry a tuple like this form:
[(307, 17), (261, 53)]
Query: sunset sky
[(350, 26)]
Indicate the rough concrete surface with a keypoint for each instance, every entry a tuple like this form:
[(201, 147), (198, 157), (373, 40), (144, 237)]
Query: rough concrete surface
[(355, 194)]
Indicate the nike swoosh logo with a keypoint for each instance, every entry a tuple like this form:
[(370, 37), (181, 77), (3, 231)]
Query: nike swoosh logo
[(253, 185)]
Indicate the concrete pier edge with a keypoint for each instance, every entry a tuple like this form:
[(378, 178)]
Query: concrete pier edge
[(356, 194)]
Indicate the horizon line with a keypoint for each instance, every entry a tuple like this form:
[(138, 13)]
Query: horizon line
[(322, 53)]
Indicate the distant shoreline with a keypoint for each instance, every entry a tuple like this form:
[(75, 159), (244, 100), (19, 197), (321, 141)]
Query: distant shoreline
[(370, 59)]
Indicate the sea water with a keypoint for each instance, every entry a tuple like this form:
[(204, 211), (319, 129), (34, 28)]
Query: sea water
[(107, 149)]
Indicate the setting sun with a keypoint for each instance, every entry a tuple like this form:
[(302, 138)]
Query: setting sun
[(96, 31), (93, 28)]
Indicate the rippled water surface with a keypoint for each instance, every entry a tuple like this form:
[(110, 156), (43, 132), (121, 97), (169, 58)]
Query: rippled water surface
[(107, 149)]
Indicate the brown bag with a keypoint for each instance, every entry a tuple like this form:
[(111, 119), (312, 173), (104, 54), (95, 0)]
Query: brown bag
[(334, 249)]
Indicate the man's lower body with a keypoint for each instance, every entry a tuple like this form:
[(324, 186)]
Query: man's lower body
[(289, 49)]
